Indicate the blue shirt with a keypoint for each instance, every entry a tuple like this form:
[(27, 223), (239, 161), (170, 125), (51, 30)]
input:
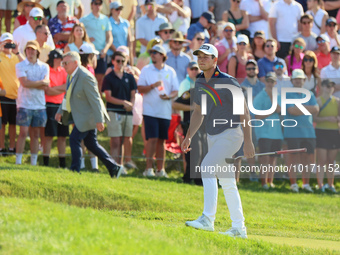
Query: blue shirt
[(265, 65), (186, 85), (194, 29), (146, 28), (304, 128), (179, 63), (271, 128), (97, 28), (257, 88), (218, 110), (120, 33), (198, 7)]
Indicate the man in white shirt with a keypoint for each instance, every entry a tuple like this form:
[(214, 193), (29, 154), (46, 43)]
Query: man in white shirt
[(158, 83), (258, 11), (26, 33), (284, 17), (332, 71), (34, 78), (332, 32)]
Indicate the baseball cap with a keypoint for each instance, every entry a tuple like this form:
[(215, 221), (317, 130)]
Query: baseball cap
[(335, 49), (87, 48), (124, 49), (251, 61), (259, 34), (331, 20), (231, 25), (209, 16), (165, 26), (242, 38), (6, 36), (208, 49), (33, 45), (298, 73), (327, 82), (279, 62), (271, 76), (149, 2), (56, 53), (159, 49), (36, 12), (192, 64), (115, 5), (323, 37)]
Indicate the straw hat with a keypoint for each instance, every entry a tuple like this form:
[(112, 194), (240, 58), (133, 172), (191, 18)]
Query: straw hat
[(21, 5)]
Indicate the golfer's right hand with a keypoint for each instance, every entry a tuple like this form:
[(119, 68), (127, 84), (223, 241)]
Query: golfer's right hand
[(185, 145)]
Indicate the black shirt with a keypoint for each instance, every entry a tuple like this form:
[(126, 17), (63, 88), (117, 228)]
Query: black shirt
[(120, 89), (185, 99)]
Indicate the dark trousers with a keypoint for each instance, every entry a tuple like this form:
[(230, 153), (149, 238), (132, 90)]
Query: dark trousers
[(284, 50), (91, 143)]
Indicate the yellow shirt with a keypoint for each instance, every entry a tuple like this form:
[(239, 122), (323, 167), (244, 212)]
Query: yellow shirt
[(1, 87), (44, 51), (330, 110), (128, 4), (8, 75)]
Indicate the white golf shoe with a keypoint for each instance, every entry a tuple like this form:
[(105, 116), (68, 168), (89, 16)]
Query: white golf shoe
[(307, 188), (161, 173), (236, 232), (149, 172), (202, 222), (294, 188)]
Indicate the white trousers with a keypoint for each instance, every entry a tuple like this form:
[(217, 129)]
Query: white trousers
[(221, 146)]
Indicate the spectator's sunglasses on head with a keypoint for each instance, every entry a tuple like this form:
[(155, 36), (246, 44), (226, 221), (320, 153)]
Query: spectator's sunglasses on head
[(37, 18), (29, 5), (242, 43), (298, 46), (305, 59), (228, 30), (321, 41), (278, 66), (251, 68)]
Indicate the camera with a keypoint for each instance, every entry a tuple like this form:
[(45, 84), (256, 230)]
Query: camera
[(10, 46)]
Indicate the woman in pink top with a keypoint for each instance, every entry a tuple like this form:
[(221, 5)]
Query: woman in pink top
[(237, 62), (294, 59)]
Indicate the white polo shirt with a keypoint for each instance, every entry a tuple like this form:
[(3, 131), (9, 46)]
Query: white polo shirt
[(253, 9), (25, 33), (30, 98), (287, 19), (153, 105), (329, 72), (332, 41)]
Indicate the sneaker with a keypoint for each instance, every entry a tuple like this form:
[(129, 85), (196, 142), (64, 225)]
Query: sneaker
[(272, 185), (161, 173), (294, 188), (307, 188), (149, 172), (236, 232), (265, 187), (331, 189), (323, 188), (202, 222), (116, 171), (130, 164)]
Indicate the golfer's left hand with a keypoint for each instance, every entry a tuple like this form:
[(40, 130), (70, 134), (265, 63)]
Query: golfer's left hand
[(248, 150), (100, 127)]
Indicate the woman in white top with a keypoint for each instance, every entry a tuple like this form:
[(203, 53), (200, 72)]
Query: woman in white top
[(310, 67), (320, 16), (77, 38)]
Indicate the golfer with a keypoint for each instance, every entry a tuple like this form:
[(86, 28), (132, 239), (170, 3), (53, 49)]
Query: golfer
[(223, 141)]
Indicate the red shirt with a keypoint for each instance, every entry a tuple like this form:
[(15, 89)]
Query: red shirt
[(22, 19), (323, 60), (57, 78)]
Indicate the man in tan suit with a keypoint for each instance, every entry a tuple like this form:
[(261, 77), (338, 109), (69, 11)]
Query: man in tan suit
[(83, 106)]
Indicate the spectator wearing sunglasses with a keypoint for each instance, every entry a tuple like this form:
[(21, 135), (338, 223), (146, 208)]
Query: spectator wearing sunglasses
[(310, 67), (294, 59), (177, 59), (306, 33), (204, 23), (282, 80), (164, 32), (227, 45), (332, 32), (42, 32), (195, 44), (24, 8), (26, 33), (332, 71), (324, 51)]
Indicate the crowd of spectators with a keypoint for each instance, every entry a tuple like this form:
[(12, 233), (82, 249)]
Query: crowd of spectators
[(141, 53)]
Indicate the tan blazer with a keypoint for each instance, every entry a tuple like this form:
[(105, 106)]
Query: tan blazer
[(87, 107)]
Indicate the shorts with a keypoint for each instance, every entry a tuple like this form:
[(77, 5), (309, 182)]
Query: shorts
[(269, 145), (156, 127), (9, 110), (327, 139), (298, 143), (53, 128), (33, 118), (101, 66), (9, 5), (118, 123)]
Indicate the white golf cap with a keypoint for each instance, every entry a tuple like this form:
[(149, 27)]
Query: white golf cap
[(298, 73), (242, 38), (208, 49), (87, 48), (6, 36), (36, 12)]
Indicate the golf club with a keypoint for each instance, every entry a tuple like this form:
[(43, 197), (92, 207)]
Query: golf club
[(231, 160)]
